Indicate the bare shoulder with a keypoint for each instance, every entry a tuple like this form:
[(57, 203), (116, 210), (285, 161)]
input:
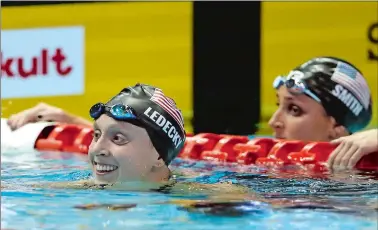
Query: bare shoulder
[(185, 172), (217, 188), (222, 188), (219, 191), (66, 184)]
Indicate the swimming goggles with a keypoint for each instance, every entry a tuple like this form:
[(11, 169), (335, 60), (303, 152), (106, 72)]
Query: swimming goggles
[(117, 111), (294, 84)]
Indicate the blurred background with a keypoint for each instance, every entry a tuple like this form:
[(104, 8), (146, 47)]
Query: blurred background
[(216, 59)]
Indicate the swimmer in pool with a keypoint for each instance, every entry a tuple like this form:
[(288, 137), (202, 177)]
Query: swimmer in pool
[(137, 134), (326, 99), (335, 104)]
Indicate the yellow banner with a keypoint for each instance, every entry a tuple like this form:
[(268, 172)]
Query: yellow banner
[(293, 32), (125, 43)]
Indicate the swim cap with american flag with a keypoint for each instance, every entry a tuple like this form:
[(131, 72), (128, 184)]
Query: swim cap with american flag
[(159, 115), (342, 89), (169, 105)]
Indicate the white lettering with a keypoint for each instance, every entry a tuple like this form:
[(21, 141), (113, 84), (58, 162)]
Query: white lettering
[(337, 90), (357, 108), (154, 114), (161, 121), (172, 129), (147, 111), (177, 139), (166, 126), (348, 99)]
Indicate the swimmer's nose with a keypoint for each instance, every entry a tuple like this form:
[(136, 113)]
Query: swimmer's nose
[(275, 122), (103, 153)]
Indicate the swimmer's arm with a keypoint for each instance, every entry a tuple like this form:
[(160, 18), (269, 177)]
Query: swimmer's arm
[(74, 119), (187, 173), (220, 191), (231, 192)]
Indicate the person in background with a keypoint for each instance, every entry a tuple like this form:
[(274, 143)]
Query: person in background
[(326, 99), (352, 148)]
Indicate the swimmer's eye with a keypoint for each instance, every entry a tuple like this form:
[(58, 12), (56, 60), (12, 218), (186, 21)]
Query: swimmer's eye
[(295, 110), (119, 139), (96, 135)]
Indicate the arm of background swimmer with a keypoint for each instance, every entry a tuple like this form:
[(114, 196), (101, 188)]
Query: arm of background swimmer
[(79, 120)]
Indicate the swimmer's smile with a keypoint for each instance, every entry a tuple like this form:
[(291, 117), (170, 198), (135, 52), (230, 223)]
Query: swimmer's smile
[(102, 169)]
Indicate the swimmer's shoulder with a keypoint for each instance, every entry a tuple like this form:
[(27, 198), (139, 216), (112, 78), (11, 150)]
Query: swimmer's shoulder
[(80, 184), (220, 192), (224, 187), (217, 188), (186, 173)]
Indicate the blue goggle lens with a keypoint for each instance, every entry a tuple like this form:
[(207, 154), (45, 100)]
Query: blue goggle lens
[(121, 112), (96, 110), (118, 111)]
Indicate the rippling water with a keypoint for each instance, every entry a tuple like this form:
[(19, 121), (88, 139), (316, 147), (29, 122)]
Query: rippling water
[(344, 201)]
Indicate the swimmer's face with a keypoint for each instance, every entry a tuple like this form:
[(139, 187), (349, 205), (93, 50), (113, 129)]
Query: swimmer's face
[(299, 117), (121, 151)]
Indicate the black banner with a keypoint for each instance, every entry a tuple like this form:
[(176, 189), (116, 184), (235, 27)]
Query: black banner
[(226, 67)]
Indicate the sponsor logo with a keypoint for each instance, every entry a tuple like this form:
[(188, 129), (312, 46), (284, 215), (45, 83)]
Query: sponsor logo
[(166, 126), (42, 62), (39, 64)]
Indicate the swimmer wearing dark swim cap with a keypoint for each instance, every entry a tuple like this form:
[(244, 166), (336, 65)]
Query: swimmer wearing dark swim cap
[(124, 127), (337, 85)]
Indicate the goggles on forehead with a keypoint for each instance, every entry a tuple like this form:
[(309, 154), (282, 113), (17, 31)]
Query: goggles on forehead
[(294, 84), (117, 111)]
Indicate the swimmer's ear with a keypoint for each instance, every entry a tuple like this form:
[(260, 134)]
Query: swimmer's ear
[(336, 130), (159, 163), (340, 131)]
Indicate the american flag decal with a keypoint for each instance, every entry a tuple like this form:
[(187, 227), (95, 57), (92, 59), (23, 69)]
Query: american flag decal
[(350, 78), (169, 106)]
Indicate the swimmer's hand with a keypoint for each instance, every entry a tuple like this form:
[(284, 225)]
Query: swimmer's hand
[(352, 148), (44, 112)]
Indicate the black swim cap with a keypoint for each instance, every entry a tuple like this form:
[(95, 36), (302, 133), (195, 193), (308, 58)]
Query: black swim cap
[(158, 114), (342, 89)]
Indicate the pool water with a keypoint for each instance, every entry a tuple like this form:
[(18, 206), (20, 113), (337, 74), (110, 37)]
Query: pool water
[(346, 201)]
